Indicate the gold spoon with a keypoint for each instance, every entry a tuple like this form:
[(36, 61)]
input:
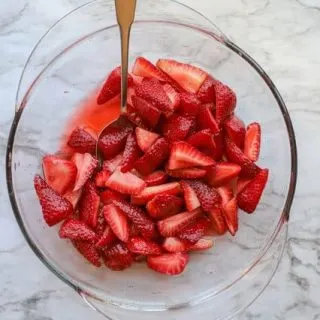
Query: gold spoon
[(125, 10)]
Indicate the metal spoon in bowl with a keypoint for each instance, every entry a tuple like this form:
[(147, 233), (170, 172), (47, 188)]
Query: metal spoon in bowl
[(125, 10)]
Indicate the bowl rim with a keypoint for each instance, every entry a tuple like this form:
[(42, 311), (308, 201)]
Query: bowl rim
[(229, 44)]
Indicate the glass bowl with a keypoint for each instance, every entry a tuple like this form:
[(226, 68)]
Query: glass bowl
[(70, 61)]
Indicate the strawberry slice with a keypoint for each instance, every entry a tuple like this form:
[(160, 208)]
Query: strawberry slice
[(207, 93), (149, 114), (164, 205), (76, 230), (60, 174), (101, 223), (174, 245), (230, 211), (73, 197), (113, 164), (218, 151), (112, 86), (194, 232), (118, 257), (226, 101), (134, 231), (190, 196), (145, 139), (134, 117), (169, 263), (249, 197), (189, 104), (126, 183), (144, 247), (173, 96), (54, 207), (206, 120), (144, 224), (153, 158), (187, 173), (226, 194), (131, 153), (235, 130), (152, 90), (189, 77), (235, 155), (202, 139), (113, 141), (144, 68), (89, 251), (172, 226), (253, 141), (101, 177), (217, 217), (156, 178), (172, 188), (241, 184), (86, 164), (117, 221), (89, 205), (131, 91), (184, 155), (202, 244), (83, 139), (222, 173), (106, 239), (108, 196), (176, 127)]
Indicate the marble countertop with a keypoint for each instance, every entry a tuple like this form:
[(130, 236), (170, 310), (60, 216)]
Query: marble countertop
[(283, 36)]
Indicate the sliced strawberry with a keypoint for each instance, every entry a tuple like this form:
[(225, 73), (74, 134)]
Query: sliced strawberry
[(143, 223), (226, 194), (101, 223), (174, 245), (134, 117), (218, 151), (217, 217), (149, 114), (235, 155), (207, 93), (101, 177), (106, 239), (187, 173), (222, 173), (144, 247), (131, 153), (206, 120), (156, 178), (172, 226), (113, 164), (76, 230), (73, 197), (144, 68), (190, 197), (134, 231), (249, 197), (60, 174), (117, 221), (189, 104), (230, 211), (83, 139), (86, 164), (118, 257), (164, 205), (169, 263), (253, 141), (194, 232), (89, 205), (112, 86), (154, 157), (126, 183), (108, 196), (172, 188), (235, 130), (132, 91), (152, 91), (173, 96), (202, 139), (189, 77), (89, 251), (202, 244), (184, 155), (241, 184), (145, 139), (176, 127), (54, 207), (113, 141), (226, 101)]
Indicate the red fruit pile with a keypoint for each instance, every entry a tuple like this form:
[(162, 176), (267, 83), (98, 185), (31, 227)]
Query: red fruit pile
[(177, 168)]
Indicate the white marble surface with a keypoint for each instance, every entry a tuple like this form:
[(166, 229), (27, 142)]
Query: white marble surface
[(283, 36)]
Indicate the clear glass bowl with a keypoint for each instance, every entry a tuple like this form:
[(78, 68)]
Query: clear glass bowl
[(69, 63)]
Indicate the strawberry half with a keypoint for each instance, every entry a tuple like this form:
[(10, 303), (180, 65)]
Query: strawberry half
[(230, 211), (83, 139), (249, 197), (106, 239), (89, 251), (145, 139), (169, 263), (76, 230), (187, 173), (235, 130), (60, 174), (202, 244), (156, 178), (189, 77), (194, 232), (164, 205), (207, 93), (217, 218), (222, 173), (117, 221), (108, 196), (190, 197), (184, 155), (226, 101), (173, 96), (189, 104), (202, 139), (206, 120), (118, 257), (172, 226), (54, 208), (131, 153), (253, 141), (144, 247), (174, 245), (177, 127)]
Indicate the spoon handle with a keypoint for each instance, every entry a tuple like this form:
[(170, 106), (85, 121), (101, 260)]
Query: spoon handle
[(125, 10)]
